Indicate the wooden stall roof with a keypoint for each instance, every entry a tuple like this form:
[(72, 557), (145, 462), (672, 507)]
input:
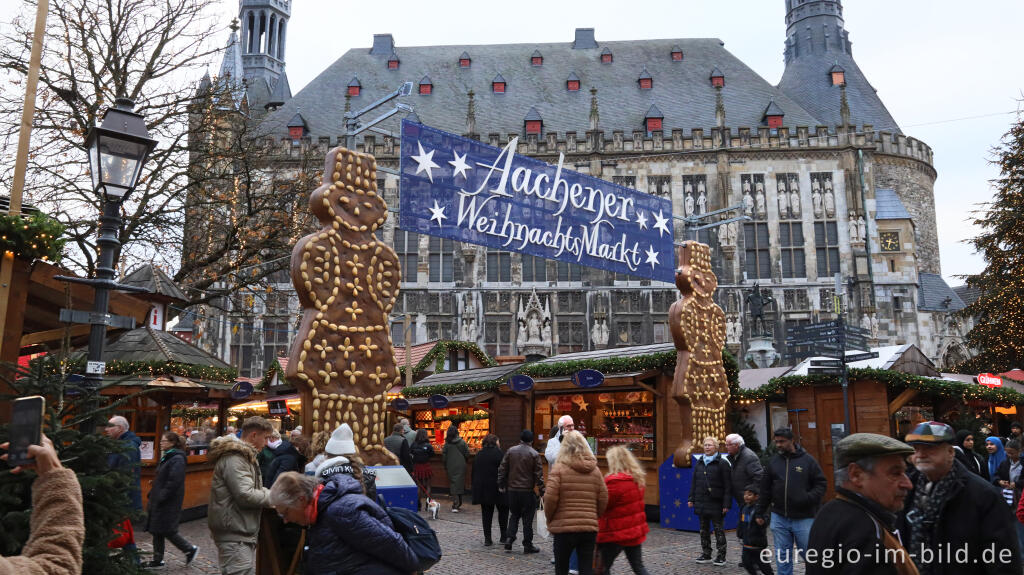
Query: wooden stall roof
[(467, 375), (157, 283), (907, 359), (147, 344), (470, 398), (755, 378), (623, 352), (45, 297)]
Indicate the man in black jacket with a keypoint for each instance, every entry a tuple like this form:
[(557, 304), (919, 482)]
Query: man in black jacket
[(958, 522), (519, 473), (399, 446), (710, 498), (791, 489), (854, 534), (746, 467)]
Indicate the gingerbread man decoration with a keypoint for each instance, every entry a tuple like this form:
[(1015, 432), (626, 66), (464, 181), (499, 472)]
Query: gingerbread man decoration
[(347, 281), (699, 387)]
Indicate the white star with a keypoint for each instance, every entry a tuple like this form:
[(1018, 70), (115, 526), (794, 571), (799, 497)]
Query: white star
[(660, 223), (437, 213), (641, 219), (460, 165), (426, 162), (652, 257)]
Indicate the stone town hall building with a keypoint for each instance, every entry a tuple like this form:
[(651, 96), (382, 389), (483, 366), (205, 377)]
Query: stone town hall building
[(830, 181)]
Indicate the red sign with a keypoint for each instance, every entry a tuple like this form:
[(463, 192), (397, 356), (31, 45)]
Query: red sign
[(989, 380)]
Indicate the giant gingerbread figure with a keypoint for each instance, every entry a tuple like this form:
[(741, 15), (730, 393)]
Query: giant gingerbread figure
[(347, 281), (699, 387)]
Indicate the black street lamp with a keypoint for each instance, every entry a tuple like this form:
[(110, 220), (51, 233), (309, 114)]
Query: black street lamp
[(118, 148)]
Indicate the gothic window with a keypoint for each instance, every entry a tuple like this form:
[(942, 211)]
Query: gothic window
[(826, 242), (662, 300), (498, 338), (440, 329), (497, 302), (398, 333), (661, 332), (755, 202), (242, 346), (442, 260), (791, 242), (569, 272), (571, 336), (407, 247), (625, 181), (825, 299), (629, 332), (755, 236), (571, 302), (534, 269), (659, 185), (499, 266), (276, 342)]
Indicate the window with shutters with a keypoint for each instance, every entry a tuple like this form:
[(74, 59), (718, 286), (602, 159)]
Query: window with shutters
[(755, 236), (407, 247), (499, 266), (826, 244), (791, 242), (534, 269)]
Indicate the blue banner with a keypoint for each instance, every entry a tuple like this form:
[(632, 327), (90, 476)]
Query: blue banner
[(461, 189)]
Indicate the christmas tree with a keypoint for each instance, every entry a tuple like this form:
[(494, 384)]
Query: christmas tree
[(999, 309), (105, 492)]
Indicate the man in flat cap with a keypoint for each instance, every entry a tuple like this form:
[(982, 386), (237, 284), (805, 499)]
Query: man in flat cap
[(855, 532), (957, 522)]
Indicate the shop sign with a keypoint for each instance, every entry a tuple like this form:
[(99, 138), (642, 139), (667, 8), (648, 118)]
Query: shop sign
[(520, 383), (241, 390), (277, 407), (400, 404), (989, 380), (438, 401), (464, 190), (587, 378)]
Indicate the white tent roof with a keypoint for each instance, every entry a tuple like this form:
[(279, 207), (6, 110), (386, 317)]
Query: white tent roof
[(887, 356)]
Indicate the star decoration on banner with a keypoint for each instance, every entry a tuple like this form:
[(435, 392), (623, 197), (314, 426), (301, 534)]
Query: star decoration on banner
[(652, 257), (437, 213), (641, 218), (425, 162), (661, 224), (460, 165)]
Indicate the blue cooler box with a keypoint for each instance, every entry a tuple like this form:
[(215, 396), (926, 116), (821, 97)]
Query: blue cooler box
[(396, 486), (673, 491)]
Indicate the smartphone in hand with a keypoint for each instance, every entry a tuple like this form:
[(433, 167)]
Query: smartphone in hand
[(26, 428)]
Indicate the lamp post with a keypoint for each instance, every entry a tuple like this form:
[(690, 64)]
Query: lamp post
[(118, 148)]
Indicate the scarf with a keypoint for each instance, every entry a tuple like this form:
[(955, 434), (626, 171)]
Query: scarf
[(709, 458), (928, 507), (997, 458), (169, 453)]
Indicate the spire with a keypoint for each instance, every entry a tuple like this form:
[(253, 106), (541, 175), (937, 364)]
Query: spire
[(594, 116), (815, 27), (263, 41), (470, 116), (231, 64)]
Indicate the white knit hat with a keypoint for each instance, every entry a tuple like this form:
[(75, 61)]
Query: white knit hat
[(341, 442)]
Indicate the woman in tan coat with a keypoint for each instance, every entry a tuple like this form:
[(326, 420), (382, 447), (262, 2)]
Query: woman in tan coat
[(575, 497)]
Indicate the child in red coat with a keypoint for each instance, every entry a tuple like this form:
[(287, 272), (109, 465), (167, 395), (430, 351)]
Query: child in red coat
[(623, 527)]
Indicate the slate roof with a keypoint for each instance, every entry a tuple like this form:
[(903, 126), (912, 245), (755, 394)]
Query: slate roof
[(773, 109), (967, 293), (155, 282), (620, 352), (888, 206), (934, 294), (146, 344), (807, 81), (468, 375), (281, 93), (683, 91)]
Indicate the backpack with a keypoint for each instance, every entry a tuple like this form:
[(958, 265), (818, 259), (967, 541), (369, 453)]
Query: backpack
[(417, 534)]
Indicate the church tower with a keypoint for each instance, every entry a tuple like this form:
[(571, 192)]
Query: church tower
[(820, 68), (264, 34)]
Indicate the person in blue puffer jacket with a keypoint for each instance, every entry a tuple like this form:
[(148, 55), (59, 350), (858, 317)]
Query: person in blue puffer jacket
[(349, 534)]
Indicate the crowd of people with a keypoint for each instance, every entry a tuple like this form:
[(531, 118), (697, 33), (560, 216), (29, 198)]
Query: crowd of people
[(928, 505)]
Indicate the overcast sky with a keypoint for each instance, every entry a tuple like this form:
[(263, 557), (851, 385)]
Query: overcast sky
[(933, 62)]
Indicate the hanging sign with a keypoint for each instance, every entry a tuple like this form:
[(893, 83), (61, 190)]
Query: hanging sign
[(587, 378), (989, 380), (438, 401), (277, 407), (400, 404), (520, 382), (461, 189), (241, 390)]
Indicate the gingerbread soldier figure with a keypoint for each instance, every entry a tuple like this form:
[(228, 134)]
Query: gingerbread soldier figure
[(347, 281), (699, 387)]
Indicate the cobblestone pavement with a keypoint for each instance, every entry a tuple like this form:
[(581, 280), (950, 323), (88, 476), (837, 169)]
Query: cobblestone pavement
[(666, 552)]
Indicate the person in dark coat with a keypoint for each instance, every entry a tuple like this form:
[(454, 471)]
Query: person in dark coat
[(954, 509), (396, 444), (484, 481), (752, 535), (854, 534), (710, 498), (349, 533), (791, 489), (454, 456), (165, 498), (746, 467), (127, 460), (965, 454), (285, 458), (422, 472)]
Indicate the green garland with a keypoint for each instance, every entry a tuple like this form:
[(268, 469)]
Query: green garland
[(457, 419), (30, 237), (894, 381), (193, 412), (452, 388), (439, 354), (269, 374), (200, 372)]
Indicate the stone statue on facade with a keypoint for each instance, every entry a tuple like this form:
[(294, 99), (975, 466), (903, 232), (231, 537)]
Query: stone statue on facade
[(874, 327), (760, 200), (757, 300), (816, 201), (783, 197), (699, 385), (830, 203), (599, 335), (794, 198), (862, 229), (532, 317), (854, 237), (688, 204), (468, 328), (702, 203), (748, 199)]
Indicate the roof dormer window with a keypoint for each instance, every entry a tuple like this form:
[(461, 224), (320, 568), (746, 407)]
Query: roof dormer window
[(572, 83), (354, 87), (838, 75), (606, 56), (676, 54), (533, 123), (498, 85), (717, 78), (536, 59), (393, 61), (645, 80), (465, 60), (653, 119), (426, 86)]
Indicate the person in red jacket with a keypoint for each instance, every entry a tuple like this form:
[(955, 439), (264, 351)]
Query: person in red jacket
[(624, 523)]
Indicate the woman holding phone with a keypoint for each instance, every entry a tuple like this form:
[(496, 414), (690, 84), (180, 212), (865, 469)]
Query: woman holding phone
[(165, 499)]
